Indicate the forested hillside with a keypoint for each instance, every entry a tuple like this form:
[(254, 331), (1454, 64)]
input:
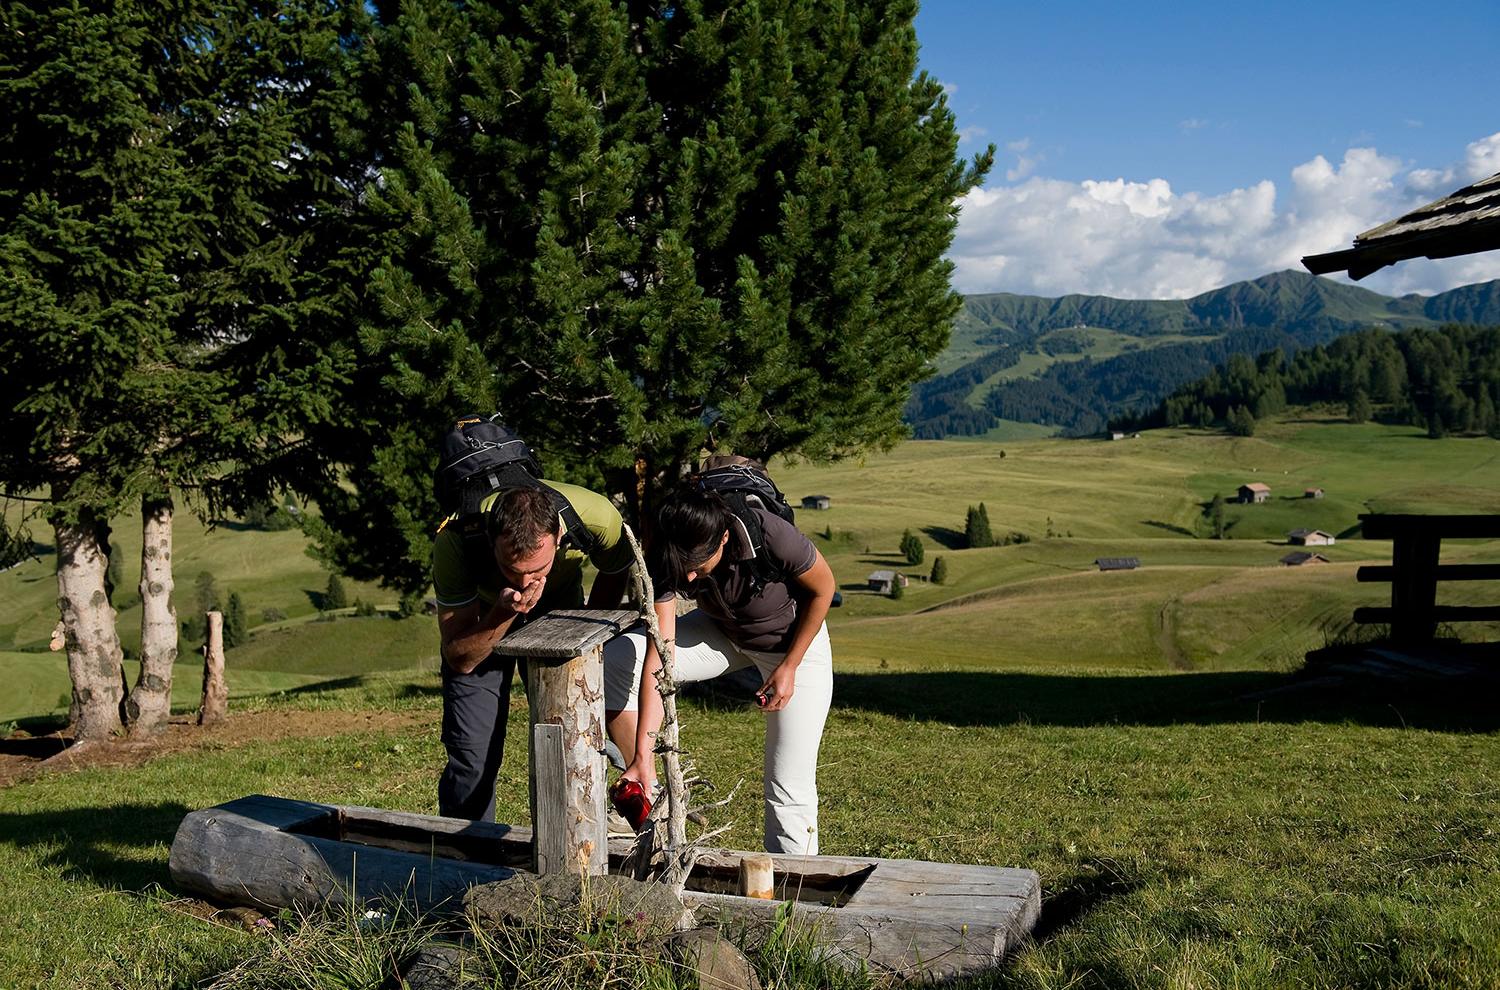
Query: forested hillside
[(1446, 379), (1173, 342)]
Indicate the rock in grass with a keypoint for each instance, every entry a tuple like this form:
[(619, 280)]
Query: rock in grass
[(649, 908), (713, 959), (442, 967)]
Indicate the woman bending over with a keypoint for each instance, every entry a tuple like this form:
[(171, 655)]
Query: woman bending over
[(764, 610)]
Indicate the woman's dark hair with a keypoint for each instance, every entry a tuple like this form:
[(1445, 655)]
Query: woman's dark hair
[(690, 524)]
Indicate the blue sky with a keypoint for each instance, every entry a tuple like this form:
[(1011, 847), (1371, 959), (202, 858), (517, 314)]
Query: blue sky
[(1165, 150)]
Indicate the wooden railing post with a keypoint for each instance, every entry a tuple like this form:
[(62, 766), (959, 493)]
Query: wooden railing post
[(564, 654), (1414, 590)]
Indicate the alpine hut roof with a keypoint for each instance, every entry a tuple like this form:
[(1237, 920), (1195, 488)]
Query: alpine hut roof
[(1464, 222), (1117, 563)]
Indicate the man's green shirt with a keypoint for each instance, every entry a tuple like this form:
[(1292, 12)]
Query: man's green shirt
[(456, 585)]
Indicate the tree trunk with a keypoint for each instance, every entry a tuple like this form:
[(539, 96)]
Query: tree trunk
[(151, 701), (94, 656)]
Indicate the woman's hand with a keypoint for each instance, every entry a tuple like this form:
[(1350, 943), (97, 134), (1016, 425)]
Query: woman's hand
[(776, 693), (643, 772)]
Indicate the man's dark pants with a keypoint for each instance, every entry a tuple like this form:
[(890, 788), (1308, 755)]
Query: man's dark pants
[(475, 706)]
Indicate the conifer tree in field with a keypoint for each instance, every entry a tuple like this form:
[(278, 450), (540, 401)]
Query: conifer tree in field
[(1358, 407), (236, 623), (334, 595), (148, 157), (639, 231), (939, 571), (911, 547), (977, 531)]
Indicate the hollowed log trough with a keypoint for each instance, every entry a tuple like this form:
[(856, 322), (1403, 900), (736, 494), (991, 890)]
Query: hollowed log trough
[(905, 916), (908, 917)]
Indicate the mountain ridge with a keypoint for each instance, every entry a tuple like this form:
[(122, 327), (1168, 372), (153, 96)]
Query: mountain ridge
[(1174, 341)]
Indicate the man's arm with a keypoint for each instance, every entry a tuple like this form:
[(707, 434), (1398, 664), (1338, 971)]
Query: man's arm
[(469, 632)]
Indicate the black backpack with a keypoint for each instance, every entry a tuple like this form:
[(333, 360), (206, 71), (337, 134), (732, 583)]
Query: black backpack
[(744, 484), (481, 456)]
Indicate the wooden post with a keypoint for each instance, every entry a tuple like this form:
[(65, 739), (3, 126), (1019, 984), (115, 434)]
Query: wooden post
[(215, 691), (564, 653), (758, 877), (1414, 589)]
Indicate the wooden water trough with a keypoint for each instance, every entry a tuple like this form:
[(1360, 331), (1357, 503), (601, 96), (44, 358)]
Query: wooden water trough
[(911, 918)]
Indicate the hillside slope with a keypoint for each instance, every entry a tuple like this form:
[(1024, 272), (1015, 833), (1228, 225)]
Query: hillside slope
[(1175, 340)]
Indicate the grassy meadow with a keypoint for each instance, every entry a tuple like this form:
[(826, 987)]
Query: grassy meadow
[(1124, 734)]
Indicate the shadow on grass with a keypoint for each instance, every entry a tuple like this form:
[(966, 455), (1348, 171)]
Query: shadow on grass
[(89, 840), (1169, 527), (950, 539), (985, 698), (1075, 896)]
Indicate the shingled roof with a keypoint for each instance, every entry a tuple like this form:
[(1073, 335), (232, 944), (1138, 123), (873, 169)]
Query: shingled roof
[(1465, 222)]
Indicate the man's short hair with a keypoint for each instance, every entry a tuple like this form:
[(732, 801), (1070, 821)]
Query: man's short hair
[(520, 519)]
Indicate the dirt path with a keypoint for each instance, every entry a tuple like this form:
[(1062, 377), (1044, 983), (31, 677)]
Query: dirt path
[(23, 757), (1166, 636)]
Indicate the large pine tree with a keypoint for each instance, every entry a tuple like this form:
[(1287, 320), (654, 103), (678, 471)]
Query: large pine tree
[(641, 231), (154, 194)]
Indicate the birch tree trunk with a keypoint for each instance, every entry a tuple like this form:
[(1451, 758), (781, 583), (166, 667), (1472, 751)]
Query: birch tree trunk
[(93, 644), (151, 701)]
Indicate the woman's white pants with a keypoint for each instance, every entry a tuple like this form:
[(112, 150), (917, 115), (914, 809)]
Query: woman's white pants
[(792, 734)]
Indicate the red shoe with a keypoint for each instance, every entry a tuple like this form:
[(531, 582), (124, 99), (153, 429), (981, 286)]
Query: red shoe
[(630, 800)]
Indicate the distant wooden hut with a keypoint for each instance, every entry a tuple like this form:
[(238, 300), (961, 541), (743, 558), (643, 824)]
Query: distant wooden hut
[(882, 581), (816, 502), (1310, 538), (1254, 492), (1464, 222), (1117, 563), (1312, 493), (1299, 557)]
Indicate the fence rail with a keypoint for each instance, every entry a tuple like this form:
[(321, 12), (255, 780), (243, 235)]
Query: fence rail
[(1414, 572)]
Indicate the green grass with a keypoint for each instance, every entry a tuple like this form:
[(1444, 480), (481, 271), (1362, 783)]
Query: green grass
[(1183, 837), (37, 683), (1108, 730)]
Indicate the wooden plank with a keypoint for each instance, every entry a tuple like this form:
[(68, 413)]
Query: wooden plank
[(1386, 526), (1445, 572), (566, 633), (549, 852), (1439, 613)]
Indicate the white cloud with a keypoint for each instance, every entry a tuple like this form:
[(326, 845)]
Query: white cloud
[(1145, 240), (1192, 124), (1025, 163)]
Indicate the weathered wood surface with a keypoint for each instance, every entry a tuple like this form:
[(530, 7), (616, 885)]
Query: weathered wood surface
[(215, 703), (757, 877), (566, 633), (551, 848), (568, 790), (906, 917), (242, 853)]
